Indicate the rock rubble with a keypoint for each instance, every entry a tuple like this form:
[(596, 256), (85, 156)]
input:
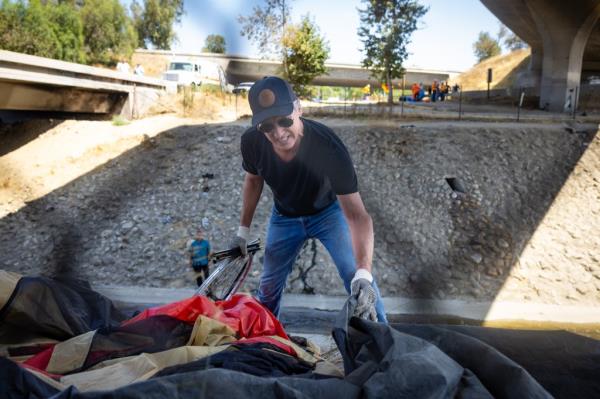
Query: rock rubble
[(472, 210)]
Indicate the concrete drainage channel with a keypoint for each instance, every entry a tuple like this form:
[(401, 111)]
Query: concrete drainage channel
[(313, 316)]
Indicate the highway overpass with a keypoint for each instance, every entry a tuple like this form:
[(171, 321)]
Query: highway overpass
[(564, 37), (30, 83), (565, 44), (244, 69)]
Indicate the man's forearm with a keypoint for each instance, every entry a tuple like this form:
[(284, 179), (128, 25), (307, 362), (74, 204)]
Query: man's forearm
[(361, 232), (251, 192), (361, 229)]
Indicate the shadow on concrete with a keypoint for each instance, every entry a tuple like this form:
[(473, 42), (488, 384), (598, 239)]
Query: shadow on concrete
[(51, 236), (510, 79), (316, 321), (17, 134), (18, 128), (503, 197)]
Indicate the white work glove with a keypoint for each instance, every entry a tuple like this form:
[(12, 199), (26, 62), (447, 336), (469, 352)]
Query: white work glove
[(363, 291), (240, 240)]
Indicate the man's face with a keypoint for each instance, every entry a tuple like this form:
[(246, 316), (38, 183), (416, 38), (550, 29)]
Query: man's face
[(280, 133), (199, 235)]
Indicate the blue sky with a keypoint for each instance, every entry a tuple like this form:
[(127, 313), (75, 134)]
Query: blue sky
[(444, 40)]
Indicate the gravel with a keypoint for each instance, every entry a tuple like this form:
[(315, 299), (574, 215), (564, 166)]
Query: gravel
[(462, 210)]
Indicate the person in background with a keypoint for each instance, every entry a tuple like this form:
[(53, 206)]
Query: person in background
[(139, 70), (443, 90), (415, 91), (199, 253), (421, 92), (123, 66), (435, 90)]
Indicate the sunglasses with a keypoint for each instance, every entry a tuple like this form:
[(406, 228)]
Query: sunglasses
[(269, 127)]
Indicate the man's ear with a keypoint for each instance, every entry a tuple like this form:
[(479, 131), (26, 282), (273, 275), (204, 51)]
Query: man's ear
[(299, 109)]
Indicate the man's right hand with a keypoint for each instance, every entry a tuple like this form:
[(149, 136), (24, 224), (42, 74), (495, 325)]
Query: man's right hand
[(362, 290), (240, 240)]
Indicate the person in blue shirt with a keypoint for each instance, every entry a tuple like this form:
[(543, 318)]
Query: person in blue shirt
[(199, 253)]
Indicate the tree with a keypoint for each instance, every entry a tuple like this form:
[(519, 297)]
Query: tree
[(266, 26), (385, 30), (486, 46), (214, 44), (108, 32), (502, 32), (48, 29), (68, 29), (510, 40), (305, 54), (514, 42), (137, 14), (154, 23), (299, 47), (25, 28)]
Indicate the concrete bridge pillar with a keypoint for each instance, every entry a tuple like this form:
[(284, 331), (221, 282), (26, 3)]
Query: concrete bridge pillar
[(564, 28), (533, 75)]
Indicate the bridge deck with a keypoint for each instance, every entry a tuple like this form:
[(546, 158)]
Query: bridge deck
[(41, 84), (28, 68)]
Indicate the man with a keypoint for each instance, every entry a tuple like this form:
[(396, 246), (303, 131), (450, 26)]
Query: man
[(123, 66), (315, 188), (138, 70), (415, 91), (435, 89), (199, 253)]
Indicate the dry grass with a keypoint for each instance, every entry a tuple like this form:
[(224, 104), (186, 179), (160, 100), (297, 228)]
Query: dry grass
[(206, 103), (505, 69), (154, 65)]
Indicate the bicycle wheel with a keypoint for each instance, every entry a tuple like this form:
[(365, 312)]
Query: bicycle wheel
[(229, 274)]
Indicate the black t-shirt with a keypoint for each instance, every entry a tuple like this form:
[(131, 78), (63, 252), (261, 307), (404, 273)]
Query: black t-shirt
[(321, 169)]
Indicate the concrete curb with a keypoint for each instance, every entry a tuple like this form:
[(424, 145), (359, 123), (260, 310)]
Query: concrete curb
[(482, 311)]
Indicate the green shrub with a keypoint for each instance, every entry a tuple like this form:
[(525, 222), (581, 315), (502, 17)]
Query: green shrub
[(119, 120)]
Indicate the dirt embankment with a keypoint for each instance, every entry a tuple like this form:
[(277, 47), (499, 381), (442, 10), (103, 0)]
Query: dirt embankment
[(461, 210), (505, 71)]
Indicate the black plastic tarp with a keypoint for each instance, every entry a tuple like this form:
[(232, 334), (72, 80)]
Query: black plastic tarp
[(567, 365), (56, 309)]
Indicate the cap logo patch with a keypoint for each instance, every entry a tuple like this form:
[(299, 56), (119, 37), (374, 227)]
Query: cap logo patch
[(266, 98)]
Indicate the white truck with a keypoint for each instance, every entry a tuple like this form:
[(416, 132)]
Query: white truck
[(196, 72), (184, 73)]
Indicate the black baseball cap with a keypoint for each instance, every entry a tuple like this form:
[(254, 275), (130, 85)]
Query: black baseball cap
[(271, 96)]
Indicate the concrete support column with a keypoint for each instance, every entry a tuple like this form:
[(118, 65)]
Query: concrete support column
[(532, 78), (564, 28)]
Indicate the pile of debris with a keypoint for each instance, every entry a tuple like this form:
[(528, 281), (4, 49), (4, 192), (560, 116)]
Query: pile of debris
[(61, 339)]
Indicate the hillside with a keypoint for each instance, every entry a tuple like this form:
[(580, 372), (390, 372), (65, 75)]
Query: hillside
[(506, 68)]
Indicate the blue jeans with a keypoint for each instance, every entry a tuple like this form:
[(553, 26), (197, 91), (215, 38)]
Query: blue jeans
[(285, 237)]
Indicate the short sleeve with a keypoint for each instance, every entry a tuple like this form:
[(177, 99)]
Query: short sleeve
[(248, 154), (339, 168)]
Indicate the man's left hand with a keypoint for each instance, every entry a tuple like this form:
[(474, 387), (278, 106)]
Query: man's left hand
[(363, 291)]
